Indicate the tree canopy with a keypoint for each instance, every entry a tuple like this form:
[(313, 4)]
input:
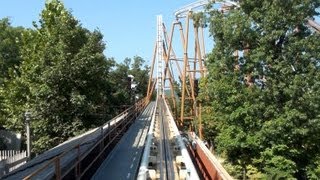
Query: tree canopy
[(59, 74), (10, 39), (263, 87)]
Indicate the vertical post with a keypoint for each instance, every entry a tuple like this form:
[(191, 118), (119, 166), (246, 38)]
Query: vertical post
[(200, 122), (57, 168), (149, 92), (27, 116), (184, 70), (78, 174), (202, 71), (202, 42), (168, 71), (198, 52)]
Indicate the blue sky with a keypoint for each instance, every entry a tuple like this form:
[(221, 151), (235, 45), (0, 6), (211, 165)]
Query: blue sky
[(129, 27)]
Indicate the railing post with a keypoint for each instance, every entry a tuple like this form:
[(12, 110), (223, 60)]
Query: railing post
[(27, 116), (57, 168), (102, 137), (78, 162)]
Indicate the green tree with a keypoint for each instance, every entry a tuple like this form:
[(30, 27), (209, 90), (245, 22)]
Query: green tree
[(141, 75), (10, 38), (122, 84), (119, 77), (265, 102), (63, 79)]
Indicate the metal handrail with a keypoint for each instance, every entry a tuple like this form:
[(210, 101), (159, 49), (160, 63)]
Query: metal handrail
[(100, 141), (142, 174), (56, 160)]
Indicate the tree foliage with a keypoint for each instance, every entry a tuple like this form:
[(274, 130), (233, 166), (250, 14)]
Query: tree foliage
[(10, 38), (141, 75), (265, 101), (121, 82), (62, 79), (58, 72)]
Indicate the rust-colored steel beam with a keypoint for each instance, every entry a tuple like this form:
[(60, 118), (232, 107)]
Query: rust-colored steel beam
[(185, 42), (149, 93)]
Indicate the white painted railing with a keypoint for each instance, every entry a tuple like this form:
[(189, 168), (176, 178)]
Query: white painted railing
[(4, 154), (11, 160)]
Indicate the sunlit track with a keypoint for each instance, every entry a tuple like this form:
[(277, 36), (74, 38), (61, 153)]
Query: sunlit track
[(165, 157), (167, 168)]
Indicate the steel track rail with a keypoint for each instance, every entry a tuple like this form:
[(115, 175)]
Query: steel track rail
[(166, 144)]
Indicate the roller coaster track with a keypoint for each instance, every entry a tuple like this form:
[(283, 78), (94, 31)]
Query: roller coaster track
[(166, 165)]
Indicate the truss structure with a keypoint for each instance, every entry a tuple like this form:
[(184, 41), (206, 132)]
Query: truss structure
[(189, 69)]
